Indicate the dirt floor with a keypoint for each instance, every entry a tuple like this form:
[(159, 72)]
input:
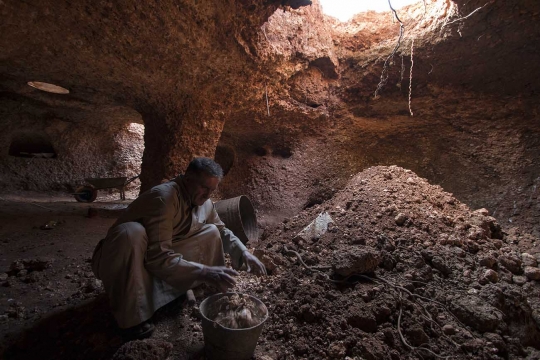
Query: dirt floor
[(404, 270)]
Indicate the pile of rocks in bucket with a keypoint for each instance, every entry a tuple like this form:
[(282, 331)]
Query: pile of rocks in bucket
[(400, 268), (236, 311)]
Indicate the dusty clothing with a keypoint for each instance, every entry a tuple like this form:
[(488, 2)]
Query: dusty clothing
[(154, 251)]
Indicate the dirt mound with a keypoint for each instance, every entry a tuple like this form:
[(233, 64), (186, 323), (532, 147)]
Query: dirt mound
[(448, 282), (148, 349)]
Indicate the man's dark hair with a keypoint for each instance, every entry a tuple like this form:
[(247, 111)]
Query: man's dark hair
[(200, 165)]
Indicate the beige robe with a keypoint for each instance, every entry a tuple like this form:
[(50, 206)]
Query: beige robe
[(156, 249)]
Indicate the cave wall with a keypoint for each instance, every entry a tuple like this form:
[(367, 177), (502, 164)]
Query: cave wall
[(106, 144), (476, 141), (456, 140)]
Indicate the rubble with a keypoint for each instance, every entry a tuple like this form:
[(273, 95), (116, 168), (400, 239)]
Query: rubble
[(427, 256), (532, 273), (357, 259), (147, 349)]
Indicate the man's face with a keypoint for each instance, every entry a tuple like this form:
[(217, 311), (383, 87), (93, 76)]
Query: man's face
[(201, 187)]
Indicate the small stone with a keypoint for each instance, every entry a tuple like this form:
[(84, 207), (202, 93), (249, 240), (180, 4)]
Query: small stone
[(473, 345), (17, 265), (355, 260), (528, 260), (22, 273), (440, 264), (519, 280), (491, 275), (482, 211), (144, 349), (337, 350), (532, 273), (92, 285), (448, 329), (472, 246), (408, 276), (400, 219), (33, 277), (3, 276), (416, 335), (496, 340), (476, 312), (488, 261), (476, 232), (511, 262), (498, 243)]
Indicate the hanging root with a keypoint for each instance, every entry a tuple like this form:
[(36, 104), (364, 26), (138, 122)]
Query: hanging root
[(267, 104), (402, 73), (410, 77), (384, 73), (464, 17)]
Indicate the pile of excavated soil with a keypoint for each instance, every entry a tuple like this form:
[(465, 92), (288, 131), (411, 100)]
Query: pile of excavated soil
[(404, 270)]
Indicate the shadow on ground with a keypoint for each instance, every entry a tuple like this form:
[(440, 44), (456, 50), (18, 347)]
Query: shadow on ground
[(89, 331), (86, 331)]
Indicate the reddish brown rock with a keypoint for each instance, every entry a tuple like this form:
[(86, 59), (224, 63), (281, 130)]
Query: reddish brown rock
[(355, 260)]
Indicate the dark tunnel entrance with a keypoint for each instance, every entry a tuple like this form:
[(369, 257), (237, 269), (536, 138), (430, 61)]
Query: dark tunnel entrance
[(32, 145)]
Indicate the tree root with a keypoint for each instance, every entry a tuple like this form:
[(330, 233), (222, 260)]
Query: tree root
[(400, 289)]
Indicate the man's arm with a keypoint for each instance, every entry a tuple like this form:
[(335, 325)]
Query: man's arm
[(232, 244)]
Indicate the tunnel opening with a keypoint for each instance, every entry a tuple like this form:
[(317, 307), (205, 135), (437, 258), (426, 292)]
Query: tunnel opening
[(32, 145), (47, 87), (344, 10), (283, 152), (260, 151)]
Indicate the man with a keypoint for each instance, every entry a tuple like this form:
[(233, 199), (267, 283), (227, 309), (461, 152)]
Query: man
[(169, 240)]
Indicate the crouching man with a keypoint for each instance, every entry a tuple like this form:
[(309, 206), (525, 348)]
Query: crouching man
[(169, 240)]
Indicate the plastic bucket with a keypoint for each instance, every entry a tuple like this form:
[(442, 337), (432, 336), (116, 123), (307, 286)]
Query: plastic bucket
[(239, 216), (221, 343)]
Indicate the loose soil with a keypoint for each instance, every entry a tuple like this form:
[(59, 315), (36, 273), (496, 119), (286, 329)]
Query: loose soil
[(404, 271)]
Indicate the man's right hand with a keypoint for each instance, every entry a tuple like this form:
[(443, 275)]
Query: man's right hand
[(220, 277)]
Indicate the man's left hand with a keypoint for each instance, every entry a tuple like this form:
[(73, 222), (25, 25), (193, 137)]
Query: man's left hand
[(253, 264)]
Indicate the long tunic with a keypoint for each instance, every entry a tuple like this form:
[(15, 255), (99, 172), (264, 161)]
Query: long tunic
[(154, 252)]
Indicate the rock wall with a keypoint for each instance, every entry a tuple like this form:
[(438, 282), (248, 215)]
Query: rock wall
[(109, 143)]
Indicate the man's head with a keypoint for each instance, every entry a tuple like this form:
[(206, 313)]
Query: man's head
[(201, 179)]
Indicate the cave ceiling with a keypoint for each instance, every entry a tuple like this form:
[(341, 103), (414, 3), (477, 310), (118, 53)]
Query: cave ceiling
[(154, 53)]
